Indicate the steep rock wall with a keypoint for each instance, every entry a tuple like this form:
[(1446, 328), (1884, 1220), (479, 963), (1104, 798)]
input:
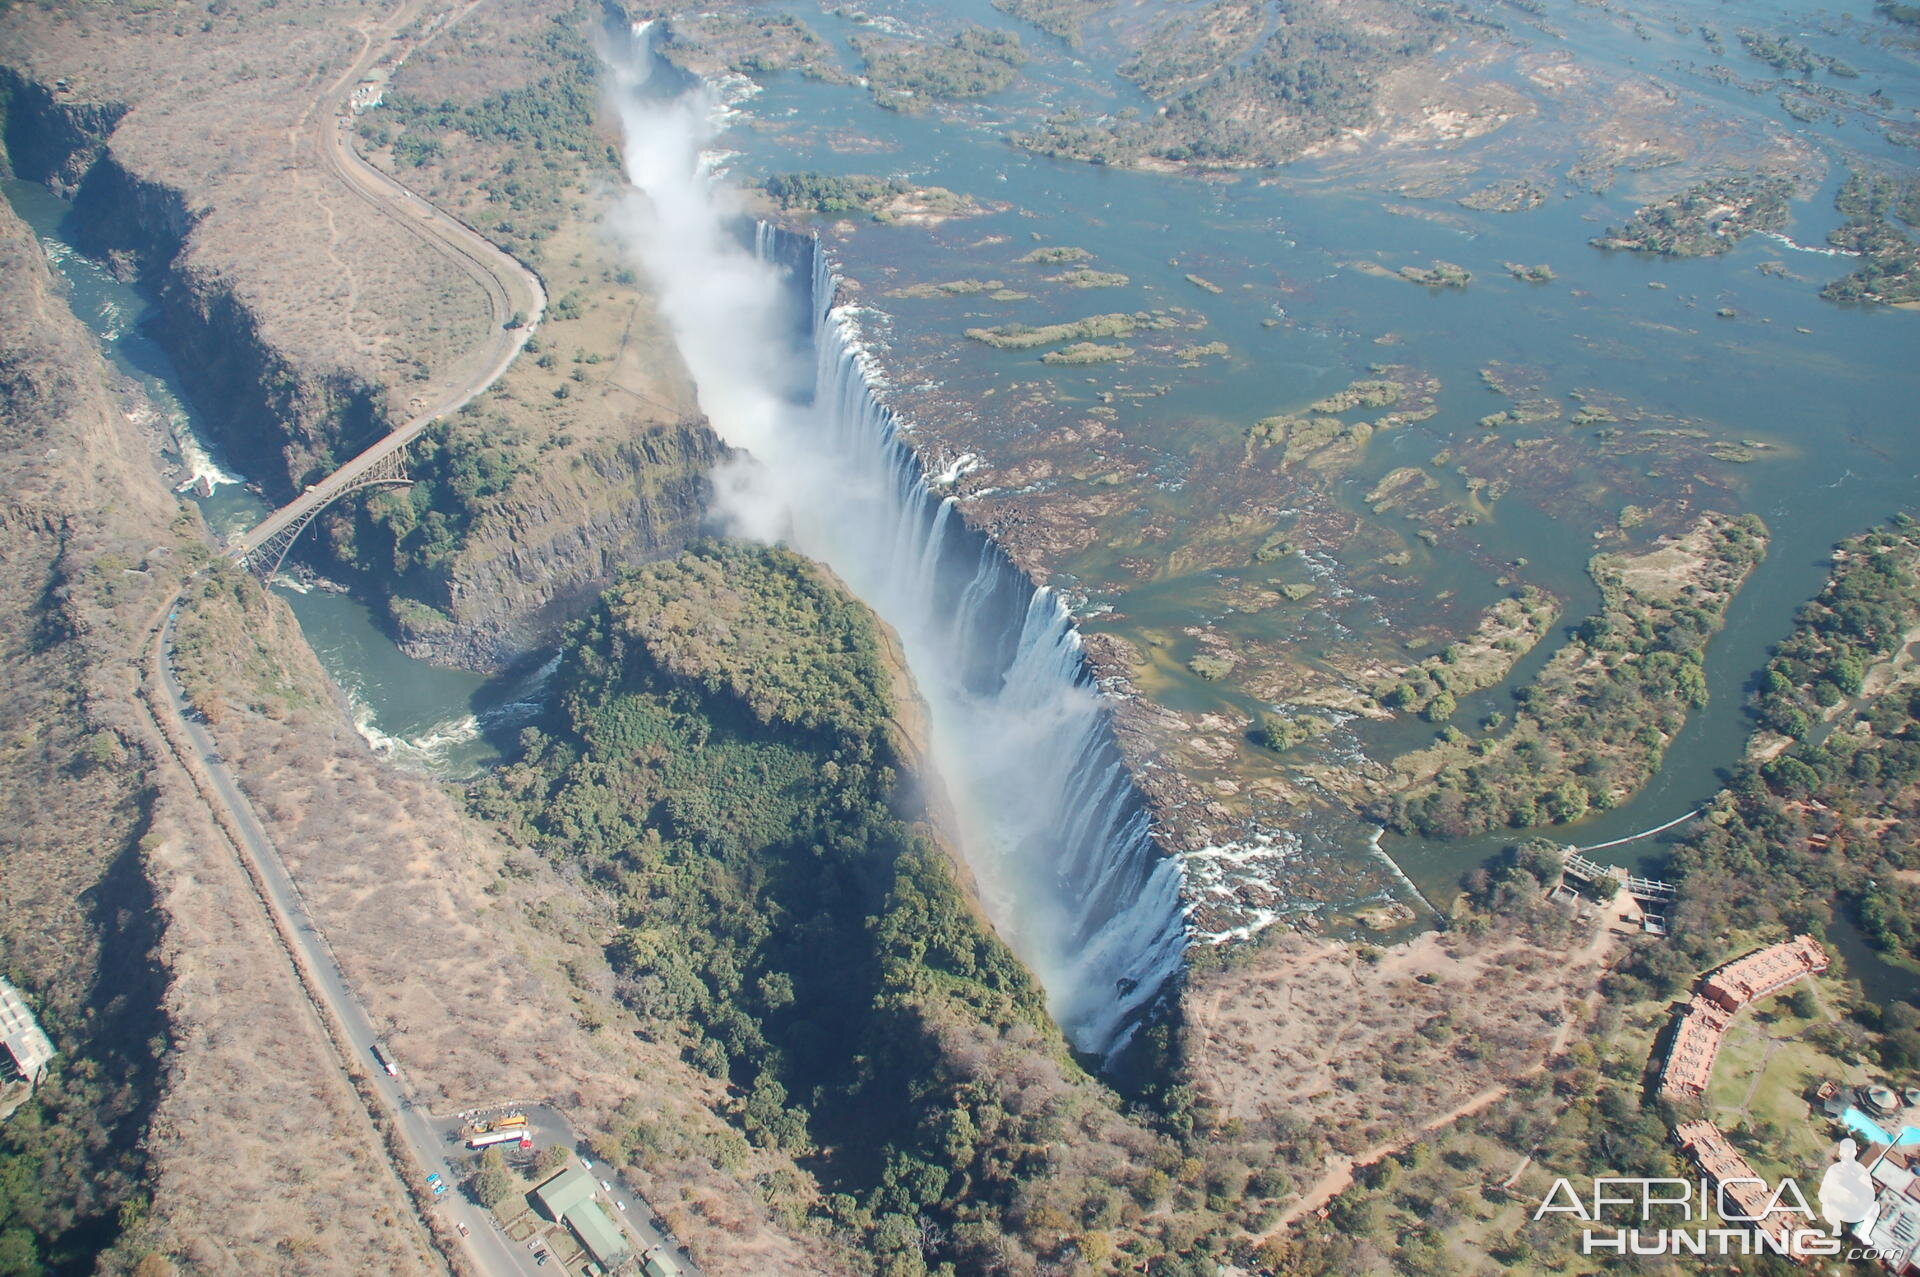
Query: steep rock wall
[(532, 561), (282, 424), (86, 556), (47, 137), (559, 536)]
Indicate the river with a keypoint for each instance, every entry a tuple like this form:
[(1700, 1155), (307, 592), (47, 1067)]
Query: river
[(1824, 390), (1828, 389), (446, 722)]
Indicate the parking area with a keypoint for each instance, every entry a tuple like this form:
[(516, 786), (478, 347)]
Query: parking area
[(566, 1213)]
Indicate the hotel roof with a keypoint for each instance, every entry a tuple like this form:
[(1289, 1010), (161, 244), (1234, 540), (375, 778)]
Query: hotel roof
[(1696, 1043), (1720, 1162), (1765, 971), (22, 1036)]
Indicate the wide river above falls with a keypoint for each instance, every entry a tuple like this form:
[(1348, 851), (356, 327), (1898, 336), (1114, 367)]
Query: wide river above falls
[(1741, 347), (1828, 390)]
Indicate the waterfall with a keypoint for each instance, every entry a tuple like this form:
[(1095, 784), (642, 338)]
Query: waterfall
[(1055, 831)]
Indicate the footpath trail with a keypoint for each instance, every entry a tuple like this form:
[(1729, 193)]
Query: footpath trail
[(511, 289), (1339, 1176)]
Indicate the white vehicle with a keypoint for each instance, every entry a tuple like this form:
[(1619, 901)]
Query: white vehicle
[(514, 1136)]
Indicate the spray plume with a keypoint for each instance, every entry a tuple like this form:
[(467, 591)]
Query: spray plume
[(1050, 822)]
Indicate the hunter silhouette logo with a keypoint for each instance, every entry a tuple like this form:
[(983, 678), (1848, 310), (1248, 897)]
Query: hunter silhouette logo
[(1846, 1190)]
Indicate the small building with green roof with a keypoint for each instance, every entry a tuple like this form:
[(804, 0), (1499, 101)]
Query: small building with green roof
[(597, 1233), (564, 1191), (568, 1198)]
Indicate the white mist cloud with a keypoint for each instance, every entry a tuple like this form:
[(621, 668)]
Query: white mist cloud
[(723, 305), (1047, 817)]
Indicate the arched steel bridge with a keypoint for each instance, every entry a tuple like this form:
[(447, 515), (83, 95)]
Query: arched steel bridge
[(516, 301), (265, 548)]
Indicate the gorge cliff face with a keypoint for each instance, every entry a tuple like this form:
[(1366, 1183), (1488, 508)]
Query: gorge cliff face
[(606, 480), (283, 423), (538, 558), (48, 136)]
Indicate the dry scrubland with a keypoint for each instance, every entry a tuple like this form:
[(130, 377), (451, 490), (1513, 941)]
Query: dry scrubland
[(297, 1180), (1366, 1045), (127, 918), (482, 963), (482, 967), (495, 120), (307, 318), (216, 99), (72, 803)]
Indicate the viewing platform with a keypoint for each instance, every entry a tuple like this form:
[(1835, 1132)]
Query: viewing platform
[(1648, 891)]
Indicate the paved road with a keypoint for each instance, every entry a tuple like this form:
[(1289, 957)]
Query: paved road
[(510, 287), (488, 1248), (435, 1141), (512, 291), (624, 1206)]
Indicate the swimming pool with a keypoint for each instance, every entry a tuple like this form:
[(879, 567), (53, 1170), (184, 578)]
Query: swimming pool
[(1862, 1124)]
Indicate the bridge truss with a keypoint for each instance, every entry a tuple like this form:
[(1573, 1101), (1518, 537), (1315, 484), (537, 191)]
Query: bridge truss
[(267, 557)]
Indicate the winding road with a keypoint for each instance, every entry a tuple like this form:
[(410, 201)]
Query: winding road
[(516, 302), (511, 289)]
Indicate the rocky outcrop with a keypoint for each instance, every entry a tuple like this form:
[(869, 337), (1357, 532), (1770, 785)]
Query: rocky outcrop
[(539, 557), (48, 137)]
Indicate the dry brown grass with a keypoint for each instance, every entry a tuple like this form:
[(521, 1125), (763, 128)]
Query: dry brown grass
[(480, 965), (346, 299), (257, 1155), (1367, 1052), (636, 376), (217, 114), (77, 520), (616, 470), (265, 1160)]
